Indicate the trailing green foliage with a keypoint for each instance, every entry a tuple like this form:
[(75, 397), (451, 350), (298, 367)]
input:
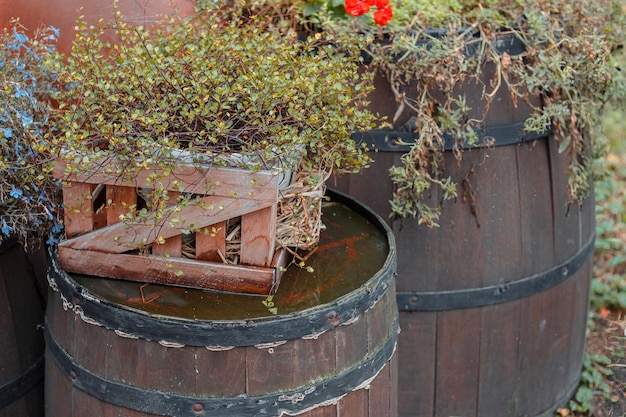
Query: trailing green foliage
[(431, 51), (28, 195)]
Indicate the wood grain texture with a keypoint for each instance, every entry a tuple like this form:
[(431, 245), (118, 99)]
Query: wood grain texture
[(258, 236), (78, 208), (217, 181), (211, 242), (507, 358), (21, 336), (173, 271), (124, 236)]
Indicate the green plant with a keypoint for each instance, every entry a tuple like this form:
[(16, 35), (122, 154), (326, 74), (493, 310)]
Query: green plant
[(609, 285), (29, 198), (431, 50), (592, 383), (219, 88)]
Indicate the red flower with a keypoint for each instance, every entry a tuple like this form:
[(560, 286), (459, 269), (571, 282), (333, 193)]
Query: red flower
[(357, 7), (380, 4), (383, 15)]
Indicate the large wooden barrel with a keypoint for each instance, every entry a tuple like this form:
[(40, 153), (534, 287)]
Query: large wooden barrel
[(493, 302), (63, 14), (120, 348), (21, 329)]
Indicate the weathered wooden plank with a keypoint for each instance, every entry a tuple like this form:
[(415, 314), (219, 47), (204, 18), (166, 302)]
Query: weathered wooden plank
[(351, 342), (122, 237), (172, 246), (323, 411), (219, 181), (120, 201), (78, 208), (58, 387), (393, 393), (210, 242), (417, 350), (293, 364), (157, 269), (458, 346), (220, 372), (499, 350), (91, 346), (355, 404), (128, 359), (380, 398), (258, 231)]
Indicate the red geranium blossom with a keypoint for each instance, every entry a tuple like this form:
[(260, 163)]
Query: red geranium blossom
[(382, 15)]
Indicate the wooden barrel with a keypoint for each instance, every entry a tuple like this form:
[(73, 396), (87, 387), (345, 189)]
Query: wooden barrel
[(493, 303), (21, 330), (121, 348)]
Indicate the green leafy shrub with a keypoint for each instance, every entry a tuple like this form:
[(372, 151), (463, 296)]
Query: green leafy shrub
[(211, 86), (219, 88)]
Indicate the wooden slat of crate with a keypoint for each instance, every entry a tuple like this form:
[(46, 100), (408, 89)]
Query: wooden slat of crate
[(172, 246), (79, 213), (176, 271), (119, 202), (258, 231), (121, 237), (218, 181), (211, 242)]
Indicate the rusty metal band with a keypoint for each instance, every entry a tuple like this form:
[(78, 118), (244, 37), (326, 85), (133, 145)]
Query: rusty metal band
[(168, 404), (496, 294), (19, 387)]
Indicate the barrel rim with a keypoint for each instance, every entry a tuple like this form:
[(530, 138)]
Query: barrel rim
[(245, 332)]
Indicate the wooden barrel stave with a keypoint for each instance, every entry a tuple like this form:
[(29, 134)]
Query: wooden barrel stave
[(21, 344)]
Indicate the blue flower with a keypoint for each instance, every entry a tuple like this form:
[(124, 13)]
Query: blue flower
[(57, 228), (27, 119), (19, 93), (15, 193), (7, 132), (52, 240), (6, 229), (55, 31)]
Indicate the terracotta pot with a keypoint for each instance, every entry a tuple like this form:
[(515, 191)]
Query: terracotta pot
[(62, 14)]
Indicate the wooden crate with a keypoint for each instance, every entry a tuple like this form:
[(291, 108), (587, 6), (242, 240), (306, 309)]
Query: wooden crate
[(98, 243)]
